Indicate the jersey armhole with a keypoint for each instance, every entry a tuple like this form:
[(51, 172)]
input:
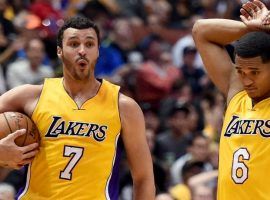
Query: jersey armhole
[(234, 98), (38, 100)]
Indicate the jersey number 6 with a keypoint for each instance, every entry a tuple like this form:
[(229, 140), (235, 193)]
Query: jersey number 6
[(239, 168)]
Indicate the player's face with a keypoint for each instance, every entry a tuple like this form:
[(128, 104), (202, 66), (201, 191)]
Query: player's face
[(254, 76), (79, 53)]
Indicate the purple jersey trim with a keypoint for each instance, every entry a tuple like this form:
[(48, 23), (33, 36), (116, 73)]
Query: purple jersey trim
[(24, 170), (114, 180)]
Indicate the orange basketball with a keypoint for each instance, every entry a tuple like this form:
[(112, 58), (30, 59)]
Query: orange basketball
[(12, 121)]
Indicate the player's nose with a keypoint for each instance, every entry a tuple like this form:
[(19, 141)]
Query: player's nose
[(247, 81), (82, 50)]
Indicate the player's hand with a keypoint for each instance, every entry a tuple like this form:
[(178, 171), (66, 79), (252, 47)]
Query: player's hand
[(255, 15), (13, 156)]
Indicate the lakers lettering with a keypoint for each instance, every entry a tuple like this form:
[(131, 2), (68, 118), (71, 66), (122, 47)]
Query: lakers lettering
[(84, 129), (248, 127)]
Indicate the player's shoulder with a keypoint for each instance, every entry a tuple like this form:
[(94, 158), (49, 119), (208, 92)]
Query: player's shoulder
[(128, 107), (18, 98), (27, 90), (127, 102), (131, 115)]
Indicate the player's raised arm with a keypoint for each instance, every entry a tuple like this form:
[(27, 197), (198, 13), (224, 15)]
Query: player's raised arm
[(211, 36), (138, 153)]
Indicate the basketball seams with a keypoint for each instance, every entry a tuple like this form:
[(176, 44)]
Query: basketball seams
[(19, 127), (26, 134), (7, 123), (13, 121)]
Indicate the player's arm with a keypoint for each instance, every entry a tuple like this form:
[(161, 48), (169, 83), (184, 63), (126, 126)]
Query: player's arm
[(211, 36), (20, 99), (138, 153)]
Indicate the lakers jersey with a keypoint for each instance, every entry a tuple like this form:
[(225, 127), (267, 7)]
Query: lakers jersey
[(79, 149), (244, 161)]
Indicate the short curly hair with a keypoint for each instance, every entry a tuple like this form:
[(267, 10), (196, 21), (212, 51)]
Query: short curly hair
[(254, 44), (78, 22)]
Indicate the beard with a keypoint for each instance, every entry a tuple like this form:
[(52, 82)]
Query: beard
[(75, 72)]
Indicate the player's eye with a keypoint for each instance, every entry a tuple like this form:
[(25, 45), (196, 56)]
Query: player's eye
[(74, 44), (89, 44), (254, 72), (240, 72)]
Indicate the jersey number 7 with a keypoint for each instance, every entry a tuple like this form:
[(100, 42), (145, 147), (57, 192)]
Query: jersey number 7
[(75, 153)]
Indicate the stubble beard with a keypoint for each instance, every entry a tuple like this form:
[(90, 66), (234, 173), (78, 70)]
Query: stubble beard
[(75, 72)]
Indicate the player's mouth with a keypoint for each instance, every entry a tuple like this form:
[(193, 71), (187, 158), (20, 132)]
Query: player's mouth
[(82, 63), (250, 89)]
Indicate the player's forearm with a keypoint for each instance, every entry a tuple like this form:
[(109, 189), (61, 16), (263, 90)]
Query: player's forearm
[(144, 190), (219, 31)]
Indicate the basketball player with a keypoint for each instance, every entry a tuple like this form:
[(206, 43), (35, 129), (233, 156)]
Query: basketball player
[(82, 122), (244, 145)]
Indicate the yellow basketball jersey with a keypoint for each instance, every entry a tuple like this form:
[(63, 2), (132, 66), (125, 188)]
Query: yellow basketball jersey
[(245, 150), (79, 150)]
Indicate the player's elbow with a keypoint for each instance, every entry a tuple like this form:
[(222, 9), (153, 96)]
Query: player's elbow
[(197, 30)]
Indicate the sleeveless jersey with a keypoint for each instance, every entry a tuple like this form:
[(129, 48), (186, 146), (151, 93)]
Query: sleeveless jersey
[(79, 149), (244, 150)]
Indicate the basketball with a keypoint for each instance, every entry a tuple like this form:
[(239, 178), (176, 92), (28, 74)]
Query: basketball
[(12, 121)]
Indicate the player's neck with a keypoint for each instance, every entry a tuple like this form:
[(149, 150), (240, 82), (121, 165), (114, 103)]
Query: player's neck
[(78, 89), (257, 100)]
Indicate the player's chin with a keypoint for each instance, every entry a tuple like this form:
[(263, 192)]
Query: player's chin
[(81, 76), (255, 96), (252, 96), (82, 67), (252, 93)]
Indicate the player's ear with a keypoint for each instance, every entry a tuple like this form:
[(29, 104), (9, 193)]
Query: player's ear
[(59, 52)]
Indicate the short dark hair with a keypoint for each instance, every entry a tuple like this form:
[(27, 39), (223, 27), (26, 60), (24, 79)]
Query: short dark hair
[(78, 22), (179, 107), (254, 44), (191, 140), (191, 168), (189, 50)]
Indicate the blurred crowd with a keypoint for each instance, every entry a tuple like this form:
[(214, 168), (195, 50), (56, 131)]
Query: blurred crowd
[(147, 48)]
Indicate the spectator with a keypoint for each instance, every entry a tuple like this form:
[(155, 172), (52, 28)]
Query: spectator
[(194, 76), (115, 49), (6, 56), (181, 93), (172, 143), (157, 74), (198, 150), (187, 40), (7, 191), (30, 70), (182, 190), (151, 117)]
